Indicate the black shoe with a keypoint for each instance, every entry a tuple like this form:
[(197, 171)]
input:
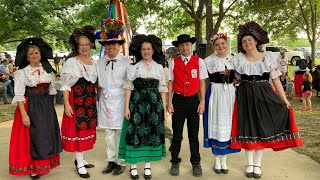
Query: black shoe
[(86, 165), (109, 168), (249, 174), (87, 175), (255, 175), (174, 171), (35, 177), (134, 176), (218, 171), (197, 170), (148, 177), (118, 169), (225, 171)]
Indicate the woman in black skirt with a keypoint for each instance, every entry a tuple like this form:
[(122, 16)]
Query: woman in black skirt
[(261, 118), (35, 138)]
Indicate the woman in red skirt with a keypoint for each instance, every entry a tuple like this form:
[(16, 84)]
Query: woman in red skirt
[(35, 141), (78, 76), (261, 118)]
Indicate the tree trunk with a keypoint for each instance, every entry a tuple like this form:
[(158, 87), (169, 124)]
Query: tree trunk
[(198, 24), (209, 27)]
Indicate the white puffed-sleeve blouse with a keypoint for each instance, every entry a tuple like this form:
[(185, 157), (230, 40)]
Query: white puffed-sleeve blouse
[(144, 70), (73, 70), (31, 76)]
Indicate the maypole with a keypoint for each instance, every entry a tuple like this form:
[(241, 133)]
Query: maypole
[(117, 11)]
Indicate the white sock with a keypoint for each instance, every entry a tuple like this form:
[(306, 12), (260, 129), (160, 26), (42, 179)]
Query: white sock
[(147, 171), (134, 170), (217, 164), (79, 158), (223, 160), (258, 157), (33, 174), (249, 154), (85, 162)]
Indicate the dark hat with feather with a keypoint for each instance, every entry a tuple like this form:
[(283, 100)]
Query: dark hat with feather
[(156, 43), (252, 29), (46, 53)]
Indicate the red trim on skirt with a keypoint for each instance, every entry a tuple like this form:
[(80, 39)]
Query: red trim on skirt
[(73, 140), (298, 79), (276, 146), (20, 160)]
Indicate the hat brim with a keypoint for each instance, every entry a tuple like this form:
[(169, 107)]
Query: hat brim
[(192, 40), (112, 41)]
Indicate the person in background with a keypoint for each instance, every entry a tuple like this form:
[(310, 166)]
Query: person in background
[(5, 76), (299, 70), (289, 87), (112, 74), (283, 80), (78, 78), (187, 74), (306, 92), (283, 63), (35, 141), (56, 61), (316, 80), (262, 118), (220, 97), (142, 137)]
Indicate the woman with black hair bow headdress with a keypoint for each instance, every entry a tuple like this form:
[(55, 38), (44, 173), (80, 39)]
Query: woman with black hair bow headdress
[(78, 76), (35, 138), (261, 117), (142, 138)]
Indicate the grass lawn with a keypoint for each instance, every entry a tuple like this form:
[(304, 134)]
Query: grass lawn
[(7, 111)]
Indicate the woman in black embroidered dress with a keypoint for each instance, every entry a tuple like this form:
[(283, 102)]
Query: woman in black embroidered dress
[(261, 118), (35, 138)]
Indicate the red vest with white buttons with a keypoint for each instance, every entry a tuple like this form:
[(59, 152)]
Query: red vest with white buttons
[(186, 77)]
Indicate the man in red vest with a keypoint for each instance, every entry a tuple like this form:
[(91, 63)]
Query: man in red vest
[(187, 76)]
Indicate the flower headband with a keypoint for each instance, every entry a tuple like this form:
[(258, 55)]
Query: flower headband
[(217, 36)]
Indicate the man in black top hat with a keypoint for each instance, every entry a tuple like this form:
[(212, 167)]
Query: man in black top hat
[(187, 74)]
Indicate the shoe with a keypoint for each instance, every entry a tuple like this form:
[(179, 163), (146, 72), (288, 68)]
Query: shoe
[(35, 177), (218, 171), (109, 168), (86, 165), (118, 169), (7, 102), (174, 171), (225, 171), (303, 108), (148, 177), (134, 176), (197, 170), (309, 109), (87, 175), (249, 174), (255, 175)]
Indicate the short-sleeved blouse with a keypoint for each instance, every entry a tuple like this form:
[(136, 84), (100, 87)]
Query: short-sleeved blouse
[(143, 70), (217, 64), (30, 76), (267, 64), (73, 70)]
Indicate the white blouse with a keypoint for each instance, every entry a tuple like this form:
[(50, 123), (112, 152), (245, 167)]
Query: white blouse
[(143, 70), (217, 64), (73, 70), (267, 64), (30, 76)]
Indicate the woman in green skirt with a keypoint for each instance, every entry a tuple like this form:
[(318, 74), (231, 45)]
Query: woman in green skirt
[(142, 138)]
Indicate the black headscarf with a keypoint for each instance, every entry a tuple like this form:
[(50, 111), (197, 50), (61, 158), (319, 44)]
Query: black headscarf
[(156, 43), (46, 53)]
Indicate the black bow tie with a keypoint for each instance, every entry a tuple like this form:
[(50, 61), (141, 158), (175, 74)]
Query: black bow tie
[(110, 61)]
